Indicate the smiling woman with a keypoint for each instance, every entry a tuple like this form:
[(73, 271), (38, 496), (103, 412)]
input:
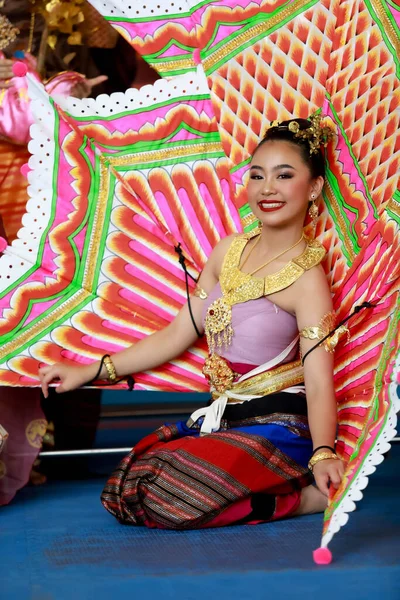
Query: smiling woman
[(245, 456)]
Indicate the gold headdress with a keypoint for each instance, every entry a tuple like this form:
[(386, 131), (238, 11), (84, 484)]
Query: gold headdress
[(316, 135)]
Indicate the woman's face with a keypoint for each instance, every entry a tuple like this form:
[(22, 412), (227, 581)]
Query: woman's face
[(280, 184)]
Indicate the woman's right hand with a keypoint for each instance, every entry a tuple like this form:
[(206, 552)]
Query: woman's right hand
[(69, 377)]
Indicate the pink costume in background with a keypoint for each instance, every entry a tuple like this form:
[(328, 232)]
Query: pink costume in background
[(23, 419), (15, 113), (15, 121)]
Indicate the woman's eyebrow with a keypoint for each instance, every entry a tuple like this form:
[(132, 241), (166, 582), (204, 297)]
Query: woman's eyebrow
[(275, 168), (284, 166)]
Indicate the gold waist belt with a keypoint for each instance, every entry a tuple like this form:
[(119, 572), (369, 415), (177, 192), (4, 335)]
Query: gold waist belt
[(221, 378)]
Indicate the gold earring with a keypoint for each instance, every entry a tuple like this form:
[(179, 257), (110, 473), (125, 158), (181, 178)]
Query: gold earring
[(313, 211)]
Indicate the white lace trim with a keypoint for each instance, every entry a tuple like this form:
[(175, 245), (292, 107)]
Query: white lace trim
[(374, 458), (181, 86), (132, 9)]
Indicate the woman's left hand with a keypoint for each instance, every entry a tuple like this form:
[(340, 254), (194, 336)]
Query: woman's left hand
[(328, 472)]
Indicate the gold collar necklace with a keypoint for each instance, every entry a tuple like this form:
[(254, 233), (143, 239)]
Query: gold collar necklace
[(238, 287)]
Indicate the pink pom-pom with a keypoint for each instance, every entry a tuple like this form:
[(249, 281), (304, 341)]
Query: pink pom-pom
[(398, 378), (3, 244), (19, 69), (24, 170), (322, 556), (196, 56)]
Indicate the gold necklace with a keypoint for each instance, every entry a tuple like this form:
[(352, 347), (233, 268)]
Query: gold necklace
[(240, 287), (271, 259)]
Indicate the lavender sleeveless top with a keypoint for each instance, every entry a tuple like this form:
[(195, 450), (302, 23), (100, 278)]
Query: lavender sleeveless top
[(262, 331)]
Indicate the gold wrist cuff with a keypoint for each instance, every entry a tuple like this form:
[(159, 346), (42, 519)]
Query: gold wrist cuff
[(321, 456), (111, 372)]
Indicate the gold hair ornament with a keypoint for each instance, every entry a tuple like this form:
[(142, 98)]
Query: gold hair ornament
[(316, 135)]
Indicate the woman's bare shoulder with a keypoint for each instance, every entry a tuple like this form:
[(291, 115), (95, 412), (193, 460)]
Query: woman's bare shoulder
[(313, 292), (314, 276)]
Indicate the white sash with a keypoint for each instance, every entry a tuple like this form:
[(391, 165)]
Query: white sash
[(213, 414)]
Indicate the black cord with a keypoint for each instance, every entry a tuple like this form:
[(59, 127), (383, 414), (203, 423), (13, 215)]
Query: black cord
[(182, 262), (320, 448), (129, 379), (355, 311)]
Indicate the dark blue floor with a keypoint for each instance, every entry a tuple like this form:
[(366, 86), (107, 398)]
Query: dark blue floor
[(58, 543)]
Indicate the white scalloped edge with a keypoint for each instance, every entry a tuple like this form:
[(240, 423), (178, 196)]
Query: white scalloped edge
[(375, 457), (23, 252), (141, 9), (178, 87)]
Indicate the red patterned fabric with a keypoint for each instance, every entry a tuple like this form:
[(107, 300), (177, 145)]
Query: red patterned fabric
[(174, 482)]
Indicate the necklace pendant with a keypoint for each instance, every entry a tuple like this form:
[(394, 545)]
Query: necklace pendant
[(218, 324)]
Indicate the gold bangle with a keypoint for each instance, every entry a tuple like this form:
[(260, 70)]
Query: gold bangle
[(111, 372), (319, 332), (321, 456)]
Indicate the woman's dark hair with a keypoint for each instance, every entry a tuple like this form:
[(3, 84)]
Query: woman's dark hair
[(315, 161)]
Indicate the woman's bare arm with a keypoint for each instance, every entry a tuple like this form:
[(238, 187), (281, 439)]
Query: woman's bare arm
[(313, 302), (153, 350)]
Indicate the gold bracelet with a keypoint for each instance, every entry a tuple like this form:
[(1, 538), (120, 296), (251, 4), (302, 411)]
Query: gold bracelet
[(109, 365), (321, 456)]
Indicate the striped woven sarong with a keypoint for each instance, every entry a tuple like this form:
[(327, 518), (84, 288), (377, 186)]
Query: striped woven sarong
[(175, 479)]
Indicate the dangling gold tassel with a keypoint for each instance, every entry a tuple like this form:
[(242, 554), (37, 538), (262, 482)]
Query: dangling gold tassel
[(218, 324)]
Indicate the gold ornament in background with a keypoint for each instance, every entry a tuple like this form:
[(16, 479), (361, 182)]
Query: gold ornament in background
[(8, 33), (61, 17), (35, 431)]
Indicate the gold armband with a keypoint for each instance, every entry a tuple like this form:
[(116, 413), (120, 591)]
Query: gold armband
[(200, 293), (321, 456), (320, 331), (111, 372)]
